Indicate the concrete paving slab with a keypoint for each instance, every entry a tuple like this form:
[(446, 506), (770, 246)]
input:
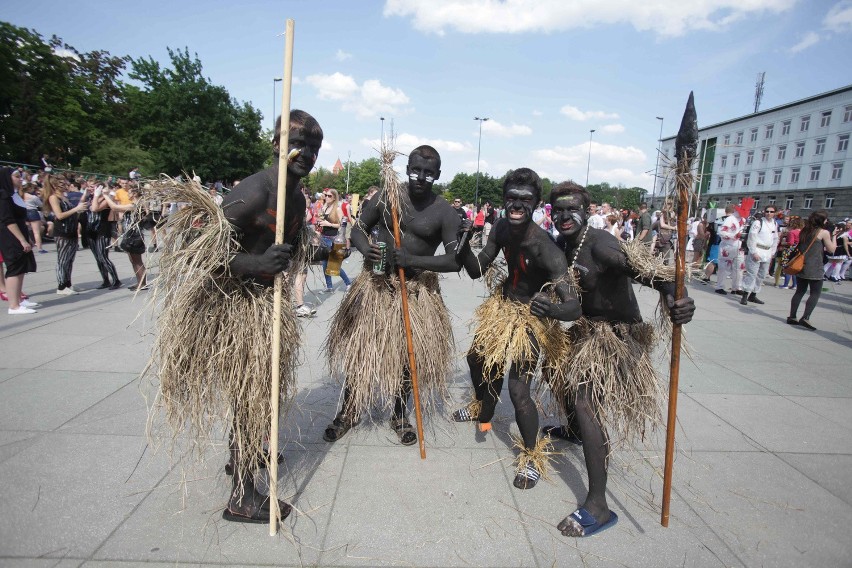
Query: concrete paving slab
[(72, 491), (46, 399), (704, 376), (13, 442), (835, 410), (829, 471), (40, 563), (122, 412), (8, 373), (20, 351), (776, 423), (444, 488)]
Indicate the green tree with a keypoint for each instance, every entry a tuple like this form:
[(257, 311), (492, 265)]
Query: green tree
[(190, 125), (363, 175)]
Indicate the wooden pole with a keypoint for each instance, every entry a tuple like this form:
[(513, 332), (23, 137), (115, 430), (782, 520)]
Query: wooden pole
[(685, 146), (412, 363), (280, 210)]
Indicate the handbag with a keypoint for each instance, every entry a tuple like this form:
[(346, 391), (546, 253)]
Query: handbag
[(795, 259)]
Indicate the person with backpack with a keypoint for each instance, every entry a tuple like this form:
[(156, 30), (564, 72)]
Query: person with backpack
[(761, 244)]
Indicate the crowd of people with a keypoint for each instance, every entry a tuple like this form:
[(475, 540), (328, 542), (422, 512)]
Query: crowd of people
[(551, 251)]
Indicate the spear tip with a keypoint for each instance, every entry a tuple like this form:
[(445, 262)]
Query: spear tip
[(687, 136)]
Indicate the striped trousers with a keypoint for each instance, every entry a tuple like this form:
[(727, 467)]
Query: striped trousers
[(99, 248), (66, 250)]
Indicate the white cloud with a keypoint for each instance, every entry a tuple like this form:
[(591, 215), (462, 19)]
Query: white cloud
[(495, 128), (66, 54), (601, 153), (334, 87), (574, 113), (405, 143), (367, 100), (663, 17), (810, 38), (537, 113), (839, 18), (471, 166), (613, 128), (342, 55)]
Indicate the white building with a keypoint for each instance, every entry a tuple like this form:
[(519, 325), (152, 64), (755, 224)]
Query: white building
[(795, 156)]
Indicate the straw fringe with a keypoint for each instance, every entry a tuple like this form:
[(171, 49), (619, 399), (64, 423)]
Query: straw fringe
[(540, 457), (503, 331), (615, 361), (212, 351), (366, 344)]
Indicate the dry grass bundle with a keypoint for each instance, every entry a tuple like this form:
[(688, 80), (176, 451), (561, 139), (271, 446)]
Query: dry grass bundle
[(366, 341), (647, 265), (503, 331), (540, 457), (212, 352), (614, 360)]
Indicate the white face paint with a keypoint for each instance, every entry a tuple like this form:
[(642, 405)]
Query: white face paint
[(412, 177), (430, 179)]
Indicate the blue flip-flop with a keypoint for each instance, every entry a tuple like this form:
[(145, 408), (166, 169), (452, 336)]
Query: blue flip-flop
[(590, 524)]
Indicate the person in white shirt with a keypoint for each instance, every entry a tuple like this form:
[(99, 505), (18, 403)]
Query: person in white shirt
[(762, 244), (729, 250)]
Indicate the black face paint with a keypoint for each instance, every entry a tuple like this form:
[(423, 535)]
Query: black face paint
[(308, 147), (422, 173), (569, 215), (520, 202)]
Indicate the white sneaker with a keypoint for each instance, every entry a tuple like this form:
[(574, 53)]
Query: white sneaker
[(327, 291), (348, 287), (70, 291), (28, 304), (21, 310), (304, 311)]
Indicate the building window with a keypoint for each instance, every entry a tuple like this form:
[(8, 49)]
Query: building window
[(736, 160), (808, 202), (782, 152), (829, 200), (820, 146), (794, 175), (746, 179), (721, 182), (753, 135), (825, 119), (842, 142), (723, 161), (847, 114), (788, 203), (732, 181), (761, 178), (764, 155), (771, 200), (726, 139), (800, 149), (727, 201), (739, 138), (814, 173), (769, 129), (776, 177), (750, 157), (836, 171), (805, 124), (756, 206), (785, 127)]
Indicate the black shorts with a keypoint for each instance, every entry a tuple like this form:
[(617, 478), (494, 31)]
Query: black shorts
[(16, 260)]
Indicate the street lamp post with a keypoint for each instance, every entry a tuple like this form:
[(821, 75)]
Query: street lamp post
[(657, 165), (589, 162), (275, 80), (382, 141), (478, 152)]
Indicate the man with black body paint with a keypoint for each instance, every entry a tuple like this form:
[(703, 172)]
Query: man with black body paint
[(251, 210), (426, 221), (533, 261), (605, 277)]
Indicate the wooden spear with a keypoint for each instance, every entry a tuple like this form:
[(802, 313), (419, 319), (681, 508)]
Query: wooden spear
[(390, 178), (280, 210), (685, 146)]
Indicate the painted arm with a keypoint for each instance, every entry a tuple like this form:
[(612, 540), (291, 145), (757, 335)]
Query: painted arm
[(476, 265), (242, 215)]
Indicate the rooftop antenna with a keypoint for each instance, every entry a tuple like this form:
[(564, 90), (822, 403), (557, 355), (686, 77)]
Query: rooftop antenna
[(758, 90)]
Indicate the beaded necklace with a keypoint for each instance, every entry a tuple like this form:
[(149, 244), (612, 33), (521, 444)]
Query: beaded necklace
[(579, 246)]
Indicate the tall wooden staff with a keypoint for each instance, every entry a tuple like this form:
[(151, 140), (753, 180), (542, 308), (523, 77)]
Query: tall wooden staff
[(393, 190), (280, 209), (685, 146)]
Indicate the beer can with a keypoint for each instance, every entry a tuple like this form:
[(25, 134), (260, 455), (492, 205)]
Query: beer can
[(379, 267)]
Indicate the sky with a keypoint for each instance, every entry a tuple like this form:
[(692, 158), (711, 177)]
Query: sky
[(544, 72)]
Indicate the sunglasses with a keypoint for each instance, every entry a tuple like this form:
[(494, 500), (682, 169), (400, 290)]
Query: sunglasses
[(770, 211)]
